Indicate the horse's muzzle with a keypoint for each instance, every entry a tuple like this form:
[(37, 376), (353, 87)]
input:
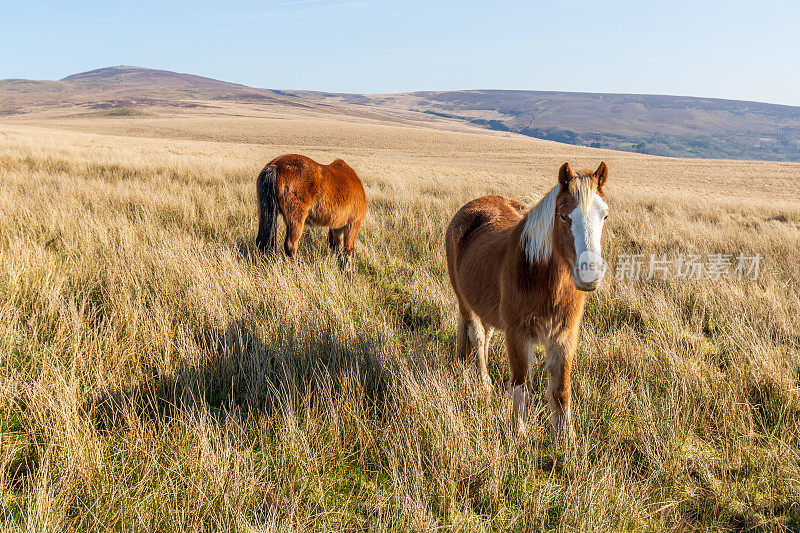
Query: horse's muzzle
[(589, 271), (586, 287), (587, 280)]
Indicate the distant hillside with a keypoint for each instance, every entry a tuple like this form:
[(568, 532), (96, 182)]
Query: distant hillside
[(125, 86), (660, 125)]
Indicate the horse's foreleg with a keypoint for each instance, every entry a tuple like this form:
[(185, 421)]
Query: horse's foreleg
[(517, 348), (336, 243), (350, 234), (559, 352)]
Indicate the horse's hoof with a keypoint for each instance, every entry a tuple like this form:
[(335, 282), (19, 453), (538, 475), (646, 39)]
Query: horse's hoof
[(520, 429), (486, 382)]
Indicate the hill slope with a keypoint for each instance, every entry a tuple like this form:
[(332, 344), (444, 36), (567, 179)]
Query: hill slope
[(660, 125), (125, 86)]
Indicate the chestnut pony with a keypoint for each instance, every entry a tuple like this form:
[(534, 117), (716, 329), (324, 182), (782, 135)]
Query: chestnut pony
[(524, 271), (303, 191)]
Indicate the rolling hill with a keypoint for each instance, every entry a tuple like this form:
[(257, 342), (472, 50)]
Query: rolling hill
[(659, 125), (123, 86), (675, 126)]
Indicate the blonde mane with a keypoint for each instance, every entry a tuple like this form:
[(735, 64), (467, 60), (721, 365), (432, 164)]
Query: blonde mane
[(537, 233)]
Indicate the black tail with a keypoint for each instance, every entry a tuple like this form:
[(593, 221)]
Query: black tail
[(267, 210)]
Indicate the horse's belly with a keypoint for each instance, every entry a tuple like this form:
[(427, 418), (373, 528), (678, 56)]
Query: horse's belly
[(326, 221), (322, 216)]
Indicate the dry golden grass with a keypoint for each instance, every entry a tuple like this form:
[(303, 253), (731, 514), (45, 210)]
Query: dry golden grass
[(158, 375)]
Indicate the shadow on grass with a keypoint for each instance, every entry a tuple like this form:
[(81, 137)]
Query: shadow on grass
[(238, 369)]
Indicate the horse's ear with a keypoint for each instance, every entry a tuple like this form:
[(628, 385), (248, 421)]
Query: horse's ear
[(565, 176), (602, 174)]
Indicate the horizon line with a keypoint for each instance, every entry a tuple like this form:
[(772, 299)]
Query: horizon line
[(407, 92)]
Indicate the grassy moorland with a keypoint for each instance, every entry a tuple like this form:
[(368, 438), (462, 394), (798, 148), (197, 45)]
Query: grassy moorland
[(158, 375)]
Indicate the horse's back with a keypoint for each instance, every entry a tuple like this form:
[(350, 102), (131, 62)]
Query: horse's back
[(293, 163), (482, 216)]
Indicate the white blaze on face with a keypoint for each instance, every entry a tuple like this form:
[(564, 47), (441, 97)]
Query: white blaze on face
[(587, 228)]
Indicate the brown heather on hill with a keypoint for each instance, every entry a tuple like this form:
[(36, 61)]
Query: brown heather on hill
[(156, 373), (654, 124)]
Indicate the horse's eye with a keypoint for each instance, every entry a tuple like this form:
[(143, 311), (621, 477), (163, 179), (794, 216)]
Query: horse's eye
[(565, 219), (605, 217)]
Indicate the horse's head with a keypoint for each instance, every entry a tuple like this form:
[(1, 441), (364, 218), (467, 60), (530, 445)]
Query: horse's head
[(581, 212)]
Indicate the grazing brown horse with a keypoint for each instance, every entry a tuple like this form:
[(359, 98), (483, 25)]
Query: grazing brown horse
[(524, 271), (303, 191)]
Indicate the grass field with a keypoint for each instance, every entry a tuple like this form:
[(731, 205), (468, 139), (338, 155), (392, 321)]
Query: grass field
[(158, 375)]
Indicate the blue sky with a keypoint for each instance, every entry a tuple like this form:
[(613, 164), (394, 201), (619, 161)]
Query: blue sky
[(725, 49)]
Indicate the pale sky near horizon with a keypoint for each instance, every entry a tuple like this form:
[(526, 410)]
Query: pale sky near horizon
[(723, 49)]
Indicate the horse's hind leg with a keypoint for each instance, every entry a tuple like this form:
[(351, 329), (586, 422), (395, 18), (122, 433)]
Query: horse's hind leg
[(294, 228), (477, 336), (462, 339), (484, 363)]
